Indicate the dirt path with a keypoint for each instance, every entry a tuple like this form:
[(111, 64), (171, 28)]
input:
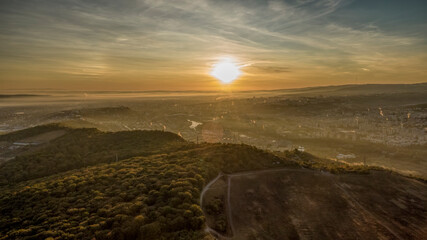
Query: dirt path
[(229, 215), (356, 200), (228, 203), (202, 194)]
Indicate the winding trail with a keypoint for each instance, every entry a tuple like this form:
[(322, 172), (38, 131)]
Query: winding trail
[(202, 194), (343, 191), (228, 204)]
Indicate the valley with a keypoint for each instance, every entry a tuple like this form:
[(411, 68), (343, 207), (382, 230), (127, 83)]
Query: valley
[(319, 163)]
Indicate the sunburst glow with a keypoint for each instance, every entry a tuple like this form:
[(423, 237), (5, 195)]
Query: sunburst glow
[(226, 71)]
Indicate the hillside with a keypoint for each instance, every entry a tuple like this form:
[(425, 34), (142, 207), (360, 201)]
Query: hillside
[(100, 112), (82, 147), (31, 132), (310, 204), (154, 197), (357, 89), (73, 188)]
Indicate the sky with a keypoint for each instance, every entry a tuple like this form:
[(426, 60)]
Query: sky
[(173, 45)]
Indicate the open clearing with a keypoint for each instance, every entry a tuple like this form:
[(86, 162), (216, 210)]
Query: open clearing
[(308, 204)]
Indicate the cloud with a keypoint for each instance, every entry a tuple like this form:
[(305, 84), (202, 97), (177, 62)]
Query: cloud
[(269, 69), (155, 37)]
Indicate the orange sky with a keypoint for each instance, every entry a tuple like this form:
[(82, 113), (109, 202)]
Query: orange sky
[(164, 45)]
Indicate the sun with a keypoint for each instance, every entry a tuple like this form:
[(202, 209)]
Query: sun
[(226, 71)]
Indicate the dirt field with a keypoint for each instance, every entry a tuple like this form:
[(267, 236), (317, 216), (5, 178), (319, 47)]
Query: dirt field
[(307, 204), (45, 137), (8, 150)]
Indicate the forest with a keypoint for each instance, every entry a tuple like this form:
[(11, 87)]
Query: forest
[(83, 147), (73, 188)]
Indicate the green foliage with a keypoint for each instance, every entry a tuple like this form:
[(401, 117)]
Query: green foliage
[(151, 197), (85, 147), (215, 206)]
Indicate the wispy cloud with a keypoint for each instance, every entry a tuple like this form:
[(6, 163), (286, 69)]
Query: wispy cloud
[(159, 39)]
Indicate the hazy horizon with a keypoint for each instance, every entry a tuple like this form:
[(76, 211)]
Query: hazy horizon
[(44, 91)]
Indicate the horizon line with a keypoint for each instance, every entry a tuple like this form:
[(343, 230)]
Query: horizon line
[(210, 91)]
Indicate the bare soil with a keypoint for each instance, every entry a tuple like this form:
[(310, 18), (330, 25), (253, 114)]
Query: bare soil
[(308, 204)]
